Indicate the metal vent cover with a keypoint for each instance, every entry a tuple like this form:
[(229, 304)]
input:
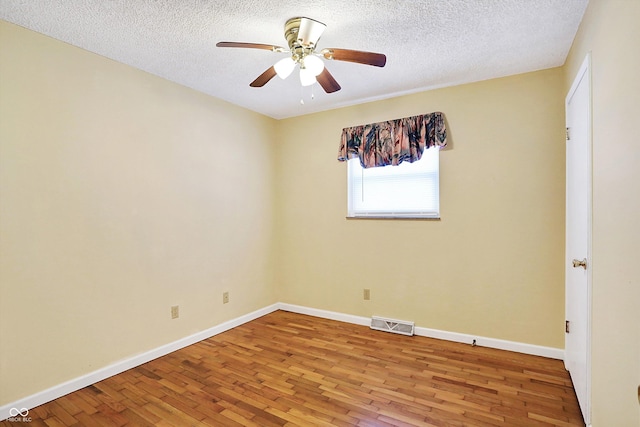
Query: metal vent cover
[(402, 327)]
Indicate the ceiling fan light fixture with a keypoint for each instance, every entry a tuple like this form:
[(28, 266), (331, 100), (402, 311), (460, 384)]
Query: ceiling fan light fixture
[(284, 67), (313, 64), (307, 78), (302, 35)]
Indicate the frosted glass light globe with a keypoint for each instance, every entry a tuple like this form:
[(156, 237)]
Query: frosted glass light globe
[(307, 78), (284, 67), (313, 64)]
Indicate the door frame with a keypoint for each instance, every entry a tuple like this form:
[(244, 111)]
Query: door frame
[(584, 72)]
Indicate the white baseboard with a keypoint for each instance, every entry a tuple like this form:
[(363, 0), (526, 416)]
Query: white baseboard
[(536, 350), (518, 347), (325, 314), (123, 365)]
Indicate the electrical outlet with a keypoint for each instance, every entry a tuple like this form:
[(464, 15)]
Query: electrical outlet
[(367, 294), (175, 311), (225, 297)]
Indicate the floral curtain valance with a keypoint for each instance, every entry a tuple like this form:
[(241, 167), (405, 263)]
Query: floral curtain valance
[(393, 141)]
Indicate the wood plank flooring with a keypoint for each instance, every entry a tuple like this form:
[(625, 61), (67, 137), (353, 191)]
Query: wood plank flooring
[(287, 369)]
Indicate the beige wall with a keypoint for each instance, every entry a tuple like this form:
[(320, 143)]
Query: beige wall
[(610, 31), (121, 194), (492, 266)]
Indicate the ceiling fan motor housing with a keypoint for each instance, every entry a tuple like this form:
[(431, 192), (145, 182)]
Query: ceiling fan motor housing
[(302, 32)]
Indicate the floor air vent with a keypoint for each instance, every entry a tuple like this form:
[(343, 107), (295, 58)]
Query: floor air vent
[(390, 325)]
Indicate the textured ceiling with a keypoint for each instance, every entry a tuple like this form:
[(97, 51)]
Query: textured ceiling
[(428, 43)]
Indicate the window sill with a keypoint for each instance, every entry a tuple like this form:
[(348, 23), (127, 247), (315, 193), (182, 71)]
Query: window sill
[(388, 217)]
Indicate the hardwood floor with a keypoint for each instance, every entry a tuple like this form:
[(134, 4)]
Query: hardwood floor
[(287, 369)]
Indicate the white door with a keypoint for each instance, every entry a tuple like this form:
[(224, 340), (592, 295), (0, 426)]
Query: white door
[(578, 237)]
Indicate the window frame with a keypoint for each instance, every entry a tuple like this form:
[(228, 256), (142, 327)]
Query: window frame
[(354, 213)]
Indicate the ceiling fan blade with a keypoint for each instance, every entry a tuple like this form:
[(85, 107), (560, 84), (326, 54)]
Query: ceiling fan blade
[(264, 78), (251, 46), (359, 56), (328, 83)]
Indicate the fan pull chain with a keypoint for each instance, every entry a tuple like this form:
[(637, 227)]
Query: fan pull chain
[(302, 94)]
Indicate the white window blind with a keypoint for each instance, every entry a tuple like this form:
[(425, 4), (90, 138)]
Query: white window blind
[(409, 190)]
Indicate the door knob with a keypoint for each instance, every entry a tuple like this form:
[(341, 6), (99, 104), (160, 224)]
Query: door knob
[(580, 263)]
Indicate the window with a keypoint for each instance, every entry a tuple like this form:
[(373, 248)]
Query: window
[(409, 190)]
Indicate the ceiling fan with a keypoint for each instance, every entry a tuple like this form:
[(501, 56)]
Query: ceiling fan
[(302, 35)]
